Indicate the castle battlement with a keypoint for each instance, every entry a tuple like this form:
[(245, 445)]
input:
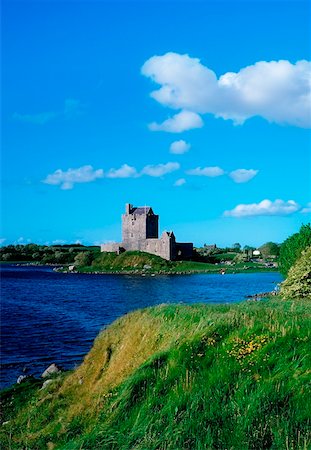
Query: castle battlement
[(140, 231)]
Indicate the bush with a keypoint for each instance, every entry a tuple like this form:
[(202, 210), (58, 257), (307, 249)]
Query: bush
[(84, 259), (269, 249), (298, 282), (291, 249)]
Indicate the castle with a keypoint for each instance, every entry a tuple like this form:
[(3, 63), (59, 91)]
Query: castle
[(140, 231)]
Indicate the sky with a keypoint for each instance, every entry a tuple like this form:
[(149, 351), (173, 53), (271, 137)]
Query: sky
[(200, 109)]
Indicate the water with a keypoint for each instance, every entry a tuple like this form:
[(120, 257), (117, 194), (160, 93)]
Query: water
[(52, 317)]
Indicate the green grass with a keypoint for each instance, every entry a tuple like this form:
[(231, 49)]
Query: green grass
[(179, 377), (138, 262)]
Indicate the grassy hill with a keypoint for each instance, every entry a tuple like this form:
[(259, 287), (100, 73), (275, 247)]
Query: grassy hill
[(137, 262), (178, 377)]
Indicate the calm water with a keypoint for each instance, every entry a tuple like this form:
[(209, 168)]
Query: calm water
[(51, 317)]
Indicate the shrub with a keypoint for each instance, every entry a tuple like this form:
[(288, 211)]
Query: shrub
[(292, 247), (84, 259), (298, 282)]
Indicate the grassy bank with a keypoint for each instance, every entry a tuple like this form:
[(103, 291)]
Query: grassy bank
[(178, 377), (141, 262)]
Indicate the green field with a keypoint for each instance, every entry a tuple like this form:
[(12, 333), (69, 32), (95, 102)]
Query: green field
[(178, 377)]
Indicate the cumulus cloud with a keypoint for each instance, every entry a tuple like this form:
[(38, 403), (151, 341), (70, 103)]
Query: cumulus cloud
[(278, 91), (179, 147), (206, 171), (72, 108), (125, 171), (242, 175), (264, 208), (159, 170), (306, 209), (180, 182), (183, 121), (66, 180)]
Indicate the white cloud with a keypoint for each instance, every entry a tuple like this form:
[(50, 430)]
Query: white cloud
[(183, 121), (206, 171), (306, 209), (22, 241), (125, 171), (159, 170), (242, 175), (264, 208), (66, 180), (179, 147), (278, 91), (180, 182)]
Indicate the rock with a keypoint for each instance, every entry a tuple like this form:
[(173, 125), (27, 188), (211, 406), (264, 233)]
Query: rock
[(46, 383), (51, 370), (21, 378)]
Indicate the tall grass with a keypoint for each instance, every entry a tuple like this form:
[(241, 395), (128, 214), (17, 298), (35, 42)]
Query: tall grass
[(179, 377)]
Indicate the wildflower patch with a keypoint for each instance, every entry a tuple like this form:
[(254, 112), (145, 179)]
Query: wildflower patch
[(242, 348)]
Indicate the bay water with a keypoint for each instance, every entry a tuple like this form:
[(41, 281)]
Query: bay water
[(49, 317)]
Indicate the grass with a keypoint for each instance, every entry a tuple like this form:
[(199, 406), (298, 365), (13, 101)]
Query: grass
[(178, 377), (141, 262)]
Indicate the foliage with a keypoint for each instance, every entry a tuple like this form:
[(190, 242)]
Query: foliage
[(292, 247), (84, 259), (298, 282), (179, 377), (270, 249), (236, 247), (43, 254)]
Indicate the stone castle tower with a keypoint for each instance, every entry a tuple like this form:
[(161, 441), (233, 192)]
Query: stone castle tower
[(140, 231), (139, 224)]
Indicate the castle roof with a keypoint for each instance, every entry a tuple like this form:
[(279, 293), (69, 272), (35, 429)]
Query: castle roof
[(141, 210), (169, 233)]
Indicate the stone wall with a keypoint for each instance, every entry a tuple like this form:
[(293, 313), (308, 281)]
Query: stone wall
[(112, 247), (137, 227)]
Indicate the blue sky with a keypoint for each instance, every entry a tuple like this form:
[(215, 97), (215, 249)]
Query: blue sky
[(199, 109)]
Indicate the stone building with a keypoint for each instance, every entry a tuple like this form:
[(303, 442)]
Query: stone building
[(140, 231)]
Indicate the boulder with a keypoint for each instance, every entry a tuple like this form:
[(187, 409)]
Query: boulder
[(51, 370), (21, 378), (46, 383)]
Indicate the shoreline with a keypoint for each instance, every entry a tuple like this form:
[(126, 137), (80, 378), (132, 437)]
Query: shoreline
[(163, 272)]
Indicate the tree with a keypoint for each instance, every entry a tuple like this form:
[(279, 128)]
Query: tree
[(269, 249), (237, 247), (84, 259), (292, 248), (298, 282)]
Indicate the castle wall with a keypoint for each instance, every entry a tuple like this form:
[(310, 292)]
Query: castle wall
[(111, 247), (160, 247), (134, 228), (183, 250)]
